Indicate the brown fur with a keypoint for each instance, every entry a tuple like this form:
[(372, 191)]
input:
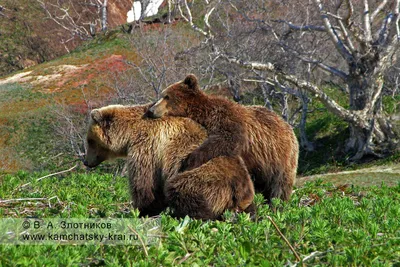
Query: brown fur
[(206, 192), (221, 118), (265, 141), (154, 150)]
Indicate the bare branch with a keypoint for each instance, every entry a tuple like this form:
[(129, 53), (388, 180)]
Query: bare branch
[(389, 37), (140, 239), (384, 30), (378, 9), (285, 89), (189, 18), (327, 68), (302, 27), (333, 106), (367, 22), (185, 258), (377, 94), (207, 16), (23, 199), (284, 238), (66, 21), (335, 16), (355, 31), (344, 29), (346, 36), (332, 34), (319, 64), (396, 12), (350, 13), (50, 175)]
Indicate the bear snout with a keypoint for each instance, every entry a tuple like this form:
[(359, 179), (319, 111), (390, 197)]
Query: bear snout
[(89, 165), (86, 163)]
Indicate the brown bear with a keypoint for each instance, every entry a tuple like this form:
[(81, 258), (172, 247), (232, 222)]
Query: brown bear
[(154, 150), (265, 141)]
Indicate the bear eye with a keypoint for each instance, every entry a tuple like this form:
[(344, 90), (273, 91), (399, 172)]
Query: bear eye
[(90, 142), (166, 97)]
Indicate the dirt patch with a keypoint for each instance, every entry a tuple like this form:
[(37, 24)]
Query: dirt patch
[(40, 79), (57, 78), (377, 169), (390, 175), (17, 78)]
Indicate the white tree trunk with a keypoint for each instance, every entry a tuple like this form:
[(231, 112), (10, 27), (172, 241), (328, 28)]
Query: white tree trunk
[(104, 16)]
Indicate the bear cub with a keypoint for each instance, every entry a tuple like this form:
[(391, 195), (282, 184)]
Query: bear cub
[(265, 142), (220, 117)]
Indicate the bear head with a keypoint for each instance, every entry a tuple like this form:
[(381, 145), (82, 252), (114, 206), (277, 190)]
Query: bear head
[(103, 142), (176, 99)]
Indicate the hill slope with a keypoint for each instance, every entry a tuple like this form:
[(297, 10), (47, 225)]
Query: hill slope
[(29, 37), (27, 98)]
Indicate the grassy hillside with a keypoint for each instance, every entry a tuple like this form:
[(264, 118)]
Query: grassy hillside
[(30, 99), (325, 224), (29, 36)]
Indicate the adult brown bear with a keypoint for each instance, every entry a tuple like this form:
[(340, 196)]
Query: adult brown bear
[(265, 141), (154, 150)]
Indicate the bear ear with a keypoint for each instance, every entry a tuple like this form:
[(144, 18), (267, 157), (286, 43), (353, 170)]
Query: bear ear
[(96, 115), (191, 81)]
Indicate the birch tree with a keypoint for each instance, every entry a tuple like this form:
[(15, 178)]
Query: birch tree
[(353, 42), (78, 19)]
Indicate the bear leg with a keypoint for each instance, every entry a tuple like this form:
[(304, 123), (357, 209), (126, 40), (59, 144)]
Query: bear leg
[(182, 204)]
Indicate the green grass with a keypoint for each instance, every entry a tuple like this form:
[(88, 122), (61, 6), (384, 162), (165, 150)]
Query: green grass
[(15, 94), (110, 41), (20, 37), (349, 226), (390, 103), (26, 135)]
